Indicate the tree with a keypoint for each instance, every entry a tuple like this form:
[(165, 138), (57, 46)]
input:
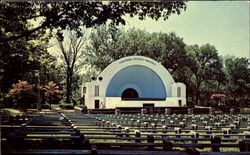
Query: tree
[(24, 35), (107, 45), (139, 42), (23, 94), (52, 93), (20, 58), (238, 77), (218, 99), (205, 66), (71, 52), (73, 15), (200, 68), (50, 70), (101, 50), (18, 61), (16, 21)]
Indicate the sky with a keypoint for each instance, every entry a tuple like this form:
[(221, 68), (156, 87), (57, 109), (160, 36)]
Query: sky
[(224, 24)]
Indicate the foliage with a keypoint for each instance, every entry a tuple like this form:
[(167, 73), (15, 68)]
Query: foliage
[(74, 15), (205, 67), (20, 58), (76, 96), (108, 44), (24, 34), (11, 112), (52, 93), (101, 50), (82, 106), (87, 76), (45, 106), (28, 57), (23, 94), (218, 100), (238, 77), (49, 70), (71, 52), (67, 106), (25, 41), (199, 67)]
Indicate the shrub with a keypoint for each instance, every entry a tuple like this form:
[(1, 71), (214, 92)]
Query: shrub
[(82, 106), (66, 106), (52, 93), (45, 106), (22, 94), (218, 99)]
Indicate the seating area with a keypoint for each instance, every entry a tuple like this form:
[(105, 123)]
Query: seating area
[(147, 110), (57, 132)]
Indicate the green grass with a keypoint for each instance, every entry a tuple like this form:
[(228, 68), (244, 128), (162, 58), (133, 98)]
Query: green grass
[(245, 110), (11, 112)]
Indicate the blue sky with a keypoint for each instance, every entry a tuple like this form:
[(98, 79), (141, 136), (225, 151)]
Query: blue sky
[(224, 24)]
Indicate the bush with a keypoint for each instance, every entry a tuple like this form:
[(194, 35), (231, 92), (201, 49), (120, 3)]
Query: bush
[(66, 106), (52, 93), (22, 94), (45, 106), (82, 106)]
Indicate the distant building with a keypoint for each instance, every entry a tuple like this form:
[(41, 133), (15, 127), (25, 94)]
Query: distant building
[(134, 81)]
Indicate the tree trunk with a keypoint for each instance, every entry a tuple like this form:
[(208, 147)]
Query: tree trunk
[(196, 97), (196, 90), (197, 94), (69, 83), (68, 89)]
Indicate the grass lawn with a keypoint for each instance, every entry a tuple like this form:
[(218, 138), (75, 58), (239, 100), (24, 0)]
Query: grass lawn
[(10, 112), (245, 110)]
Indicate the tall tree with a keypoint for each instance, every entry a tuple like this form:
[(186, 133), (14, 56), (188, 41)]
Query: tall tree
[(238, 77), (107, 45), (199, 68), (139, 42), (173, 55), (205, 66), (19, 59), (102, 49), (23, 33), (71, 52)]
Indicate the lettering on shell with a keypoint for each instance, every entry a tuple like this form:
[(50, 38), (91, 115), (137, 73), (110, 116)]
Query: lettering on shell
[(138, 59)]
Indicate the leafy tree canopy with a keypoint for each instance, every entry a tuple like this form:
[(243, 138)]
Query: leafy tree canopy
[(238, 75), (107, 45), (52, 93), (72, 15), (22, 93), (204, 67)]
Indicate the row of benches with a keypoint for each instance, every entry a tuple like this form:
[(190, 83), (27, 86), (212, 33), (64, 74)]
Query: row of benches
[(65, 133)]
